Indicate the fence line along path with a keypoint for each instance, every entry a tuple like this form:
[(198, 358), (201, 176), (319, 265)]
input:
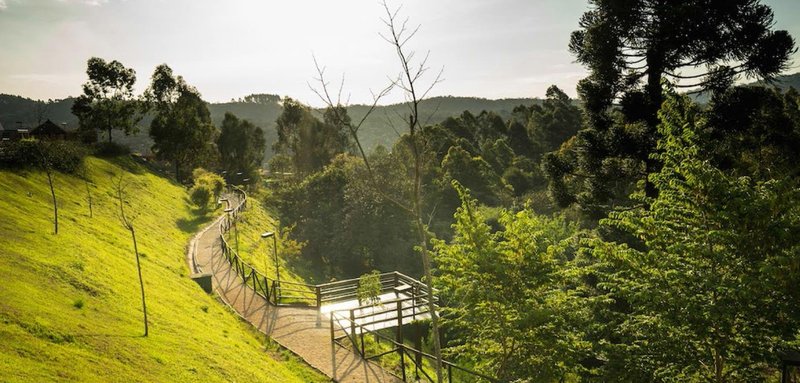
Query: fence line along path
[(302, 330)]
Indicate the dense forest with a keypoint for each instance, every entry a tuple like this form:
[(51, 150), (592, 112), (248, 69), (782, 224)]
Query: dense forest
[(646, 231)]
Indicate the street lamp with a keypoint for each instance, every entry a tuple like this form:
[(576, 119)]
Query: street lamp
[(235, 229), (275, 256)]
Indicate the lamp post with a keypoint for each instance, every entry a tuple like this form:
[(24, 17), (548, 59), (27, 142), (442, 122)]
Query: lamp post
[(275, 257), (235, 229)]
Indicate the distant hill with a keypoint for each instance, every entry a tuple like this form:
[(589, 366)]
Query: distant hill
[(379, 129), (781, 82)]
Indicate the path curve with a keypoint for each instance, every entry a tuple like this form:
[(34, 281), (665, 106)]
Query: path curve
[(295, 328)]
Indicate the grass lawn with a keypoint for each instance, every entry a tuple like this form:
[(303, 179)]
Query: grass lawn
[(258, 252), (70, 308)]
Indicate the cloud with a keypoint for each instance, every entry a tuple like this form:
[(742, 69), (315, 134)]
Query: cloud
[(3, 5)]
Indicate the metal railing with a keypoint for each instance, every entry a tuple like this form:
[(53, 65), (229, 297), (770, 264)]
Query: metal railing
[(411, 304), (411, 362), (275, 292)]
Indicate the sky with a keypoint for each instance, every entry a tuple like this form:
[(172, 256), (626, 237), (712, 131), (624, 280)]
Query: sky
[(229, 49)]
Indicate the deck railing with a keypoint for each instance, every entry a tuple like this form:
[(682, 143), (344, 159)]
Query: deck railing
[(411, 303)]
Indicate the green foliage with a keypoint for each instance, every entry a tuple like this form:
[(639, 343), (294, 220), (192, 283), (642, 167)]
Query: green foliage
[(110, 149), (200, 196), (207, 187), (241, 149), (311, 143), (107, 101), (552, 123), (349, 227), (369, 288), (631, 49), (505, 303), (707, 290), (181, 130), (63, 156)]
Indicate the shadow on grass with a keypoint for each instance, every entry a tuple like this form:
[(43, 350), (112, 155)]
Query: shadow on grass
[(106, 336), (192, 225), (127, 163)]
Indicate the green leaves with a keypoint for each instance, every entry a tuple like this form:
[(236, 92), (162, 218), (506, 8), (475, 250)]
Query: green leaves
[(705, 297), (504, 293)]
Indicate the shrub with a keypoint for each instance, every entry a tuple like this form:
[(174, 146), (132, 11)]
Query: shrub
[(63, 156), (110, 149), (369, 288), (200, 196), (78, 303), (211, 181)]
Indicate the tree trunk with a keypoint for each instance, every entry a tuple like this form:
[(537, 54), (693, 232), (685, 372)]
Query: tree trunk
[(55, 203), (141, 282), (655, 69)]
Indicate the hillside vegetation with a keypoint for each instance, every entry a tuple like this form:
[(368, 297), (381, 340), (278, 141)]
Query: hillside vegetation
[(70, 308)]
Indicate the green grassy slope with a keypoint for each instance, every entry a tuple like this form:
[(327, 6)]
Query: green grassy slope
[(258, 251), (69, 303)]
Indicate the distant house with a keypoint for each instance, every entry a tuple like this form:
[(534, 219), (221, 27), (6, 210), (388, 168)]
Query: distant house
[(12, 134), (49, 131)]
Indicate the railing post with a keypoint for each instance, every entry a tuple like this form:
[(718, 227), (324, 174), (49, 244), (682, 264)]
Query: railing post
[(449, 374), (399, 337), (319, 305), (353, 328), (363, 352)]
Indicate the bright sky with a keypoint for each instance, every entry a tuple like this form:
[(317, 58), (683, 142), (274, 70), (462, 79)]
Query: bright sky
[(228, 49)]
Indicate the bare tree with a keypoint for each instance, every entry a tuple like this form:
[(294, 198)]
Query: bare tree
[(46, 162), (87, 181), (410, 82), (120, 187)]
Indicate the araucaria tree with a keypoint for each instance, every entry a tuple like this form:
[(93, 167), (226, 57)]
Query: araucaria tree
[(181, 129), (630, 49), (241, 147), (107, 102)]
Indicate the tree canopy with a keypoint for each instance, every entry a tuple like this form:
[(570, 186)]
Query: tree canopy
[(107, 101)]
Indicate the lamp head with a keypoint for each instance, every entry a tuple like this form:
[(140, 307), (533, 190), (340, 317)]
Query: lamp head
[(267, 234)]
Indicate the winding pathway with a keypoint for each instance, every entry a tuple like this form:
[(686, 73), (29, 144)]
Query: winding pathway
[(295, 328)]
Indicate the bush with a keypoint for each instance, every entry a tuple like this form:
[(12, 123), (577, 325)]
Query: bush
[(63, 156), (201, 196), (110, 149), (212, 181), (369, 288)]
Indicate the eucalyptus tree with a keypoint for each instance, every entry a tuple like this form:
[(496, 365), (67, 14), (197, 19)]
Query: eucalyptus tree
[(108, 101), (181, 129), (241, 147)]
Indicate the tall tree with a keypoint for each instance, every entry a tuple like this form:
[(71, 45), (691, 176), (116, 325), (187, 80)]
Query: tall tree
[(630, 48), (554, 122), (310, 142), (505, 294), (107, 101), (181, 130), (241, 147), (709, 291)]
